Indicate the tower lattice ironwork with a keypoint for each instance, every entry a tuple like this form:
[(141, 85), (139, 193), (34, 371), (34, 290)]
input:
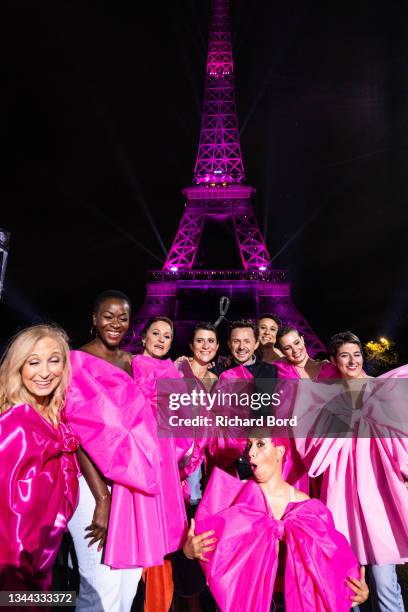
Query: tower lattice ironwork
[(218, 193)]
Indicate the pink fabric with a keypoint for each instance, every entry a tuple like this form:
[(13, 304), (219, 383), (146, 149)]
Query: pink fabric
[(241, 571), (294, 471), (165, 515), (363, 482), (107, 412), (215, 450), (191, 453), (288, 370), (38, 494), (114, 417), (223, 451)]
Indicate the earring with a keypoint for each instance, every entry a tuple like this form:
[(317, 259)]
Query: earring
[(92, 332)]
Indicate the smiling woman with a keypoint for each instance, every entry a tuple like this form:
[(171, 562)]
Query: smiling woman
[(131, 506), (157, 337), (268, 328), (38, 471), (99, 585), (42, 372), (298, 362), (35, 368), (110, 319)]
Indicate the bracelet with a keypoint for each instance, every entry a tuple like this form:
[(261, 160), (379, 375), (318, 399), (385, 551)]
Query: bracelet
[(102, 497)]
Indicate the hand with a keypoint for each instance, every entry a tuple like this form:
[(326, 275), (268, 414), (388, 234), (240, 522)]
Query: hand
[(359, 587), (99, 526), (180, 360), (196, 545)]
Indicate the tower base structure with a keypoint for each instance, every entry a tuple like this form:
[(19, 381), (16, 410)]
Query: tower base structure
[(190, 296)]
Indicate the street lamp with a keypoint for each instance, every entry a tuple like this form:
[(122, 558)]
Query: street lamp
[(4, 250)]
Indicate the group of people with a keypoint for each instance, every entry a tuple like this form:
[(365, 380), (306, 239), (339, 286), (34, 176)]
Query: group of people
[(280, 524)]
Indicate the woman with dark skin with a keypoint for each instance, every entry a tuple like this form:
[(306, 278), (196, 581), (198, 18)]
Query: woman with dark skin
[(101, 587), (110, 319)]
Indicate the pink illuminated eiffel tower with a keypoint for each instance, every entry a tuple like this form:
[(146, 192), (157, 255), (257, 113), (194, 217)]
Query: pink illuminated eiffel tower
[(183, 290)]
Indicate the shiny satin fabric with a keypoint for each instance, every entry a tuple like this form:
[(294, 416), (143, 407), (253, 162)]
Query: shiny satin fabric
[(38, 494), (363, 477), (214, 449), (241, 571), (288, 370), (114, 416), (293, 470), (165, 515)]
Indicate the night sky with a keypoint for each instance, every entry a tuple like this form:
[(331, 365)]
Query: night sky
[(103, 120)]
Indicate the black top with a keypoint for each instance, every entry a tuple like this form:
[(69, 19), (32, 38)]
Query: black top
[(262, 371), (258, 369)]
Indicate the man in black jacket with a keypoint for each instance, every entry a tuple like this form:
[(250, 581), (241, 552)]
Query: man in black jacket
[(243, 341)]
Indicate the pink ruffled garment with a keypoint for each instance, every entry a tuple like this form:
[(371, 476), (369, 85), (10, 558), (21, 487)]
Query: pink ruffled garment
[(168, 512), (241, 571), (287, 370), (222, 451), (38, 495), (293, 469), (191, 453), (216, 450), (117, 427), (363, 482)]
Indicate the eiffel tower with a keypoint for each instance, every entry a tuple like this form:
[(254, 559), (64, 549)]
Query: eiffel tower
[(185, 289)]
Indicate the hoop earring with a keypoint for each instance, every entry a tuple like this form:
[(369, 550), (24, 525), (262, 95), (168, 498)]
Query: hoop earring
[(92, 331)]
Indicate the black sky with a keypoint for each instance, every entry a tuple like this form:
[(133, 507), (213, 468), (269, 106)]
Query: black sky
[(103, 116)]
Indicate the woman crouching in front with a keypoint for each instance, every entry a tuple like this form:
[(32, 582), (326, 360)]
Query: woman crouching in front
[(268, 532)]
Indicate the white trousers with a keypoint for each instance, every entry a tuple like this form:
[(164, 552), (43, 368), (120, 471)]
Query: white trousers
[(101, 588)]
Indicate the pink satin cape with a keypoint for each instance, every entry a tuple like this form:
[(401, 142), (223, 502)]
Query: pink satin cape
[(288, 370), (38, 493), (363, 477), (114, 417), (241, 571), (293, 470), (215, 449), (167, 517)]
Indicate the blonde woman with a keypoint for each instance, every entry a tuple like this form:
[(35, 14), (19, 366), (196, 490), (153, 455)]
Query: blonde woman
[(38, 470)]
